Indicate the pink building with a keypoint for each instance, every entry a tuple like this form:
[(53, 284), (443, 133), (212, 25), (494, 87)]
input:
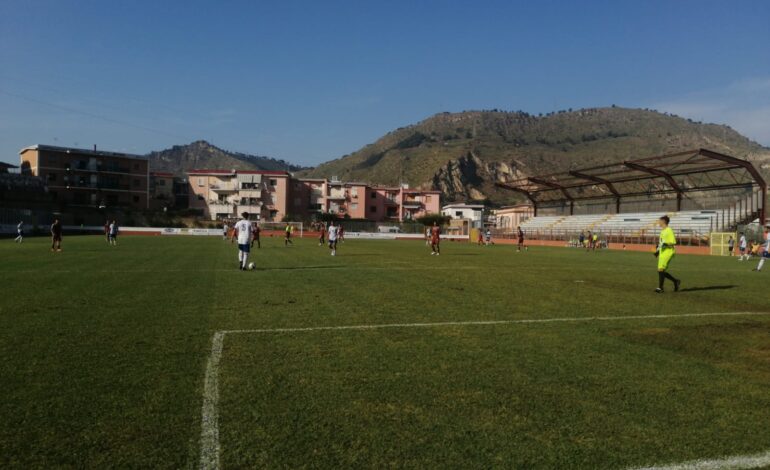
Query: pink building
[(227, 193), (275, 194), (361, 201)]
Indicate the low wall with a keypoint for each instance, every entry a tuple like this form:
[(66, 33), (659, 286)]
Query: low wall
[(685, 250)]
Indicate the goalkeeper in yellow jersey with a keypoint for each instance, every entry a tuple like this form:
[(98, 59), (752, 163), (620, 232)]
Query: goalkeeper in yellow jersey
[(665, 253)]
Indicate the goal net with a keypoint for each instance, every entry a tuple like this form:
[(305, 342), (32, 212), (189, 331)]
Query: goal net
[(719, 243), (297, 228)]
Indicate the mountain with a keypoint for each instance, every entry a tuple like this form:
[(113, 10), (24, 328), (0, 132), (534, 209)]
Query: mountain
[(464, 154), (201, 154)]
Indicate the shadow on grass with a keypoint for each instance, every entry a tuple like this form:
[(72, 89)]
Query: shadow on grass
[(696, 289)]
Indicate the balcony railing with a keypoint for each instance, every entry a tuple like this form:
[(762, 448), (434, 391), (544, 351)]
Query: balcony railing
[(223, 187)]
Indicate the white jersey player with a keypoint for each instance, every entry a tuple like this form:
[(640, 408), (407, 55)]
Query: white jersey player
[(742, 246), (243, 230), (19, 232), (765, 254), (333, 232)]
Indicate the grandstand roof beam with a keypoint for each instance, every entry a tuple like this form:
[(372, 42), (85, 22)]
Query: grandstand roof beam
[(737, 162), (654, 171), (596, 179), (521, 191), (552, 185)]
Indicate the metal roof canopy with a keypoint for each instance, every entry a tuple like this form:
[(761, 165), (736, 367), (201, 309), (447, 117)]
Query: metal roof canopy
[(676, 173)]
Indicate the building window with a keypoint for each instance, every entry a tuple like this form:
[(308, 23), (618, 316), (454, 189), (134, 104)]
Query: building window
[(459, 214), (200, 182), (354, 206), (136, 198), (373, 195), (136, 166), (273, 214), (51, 177), (273, 182), (354, 192), (200, 197), (427, 199), (162, 182), (297, 201), (372, 208), (137, 183)]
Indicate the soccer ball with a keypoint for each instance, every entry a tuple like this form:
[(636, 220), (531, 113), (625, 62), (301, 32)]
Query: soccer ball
[(252, 266)]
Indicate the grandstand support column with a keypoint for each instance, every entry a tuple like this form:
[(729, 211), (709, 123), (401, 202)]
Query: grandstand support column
[(617, 205), (572, 208), (678, 201)]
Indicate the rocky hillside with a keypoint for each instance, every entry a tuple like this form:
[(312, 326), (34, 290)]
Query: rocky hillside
[(464, 154), (201, 154)]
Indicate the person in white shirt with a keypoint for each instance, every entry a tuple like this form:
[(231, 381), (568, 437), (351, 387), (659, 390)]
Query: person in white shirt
[(225, 228), (243, 233), (765, 253), (19, 232), (742, 247), (332, 232), (113, 233)]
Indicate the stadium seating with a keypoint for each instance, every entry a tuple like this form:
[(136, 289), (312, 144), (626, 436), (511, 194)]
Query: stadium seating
[(692, 222)]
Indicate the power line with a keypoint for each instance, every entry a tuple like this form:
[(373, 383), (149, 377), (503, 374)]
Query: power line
[(95, 116)]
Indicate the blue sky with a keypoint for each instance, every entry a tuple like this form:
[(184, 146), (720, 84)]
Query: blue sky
[(310, 81)]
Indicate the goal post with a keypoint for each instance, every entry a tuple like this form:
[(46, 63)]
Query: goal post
[(297, 228), (719, 242)]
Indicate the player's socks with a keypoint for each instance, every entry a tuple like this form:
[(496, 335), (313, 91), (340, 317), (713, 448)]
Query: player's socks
[(761, 263), (661, 279), (244, 262)]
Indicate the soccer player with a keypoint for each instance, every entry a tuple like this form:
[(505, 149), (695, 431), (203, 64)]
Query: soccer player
[(113, 234), (19, 232), (340, 233), (333, 238), (479, 241), (435, 239), (243, 233), (765, 253), (321, 237), (589, 241), (594, 241), (582, 239), (56, 235), (520, 232), (107, 230), (255, 235), (225, 228), (287, 241), (488, 237), (730, 245), (742, 243), (665, 253)]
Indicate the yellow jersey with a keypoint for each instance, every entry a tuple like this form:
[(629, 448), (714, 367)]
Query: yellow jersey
[(667, 239)]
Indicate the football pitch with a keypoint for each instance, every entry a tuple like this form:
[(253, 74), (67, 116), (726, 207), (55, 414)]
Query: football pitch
[(160, 353)]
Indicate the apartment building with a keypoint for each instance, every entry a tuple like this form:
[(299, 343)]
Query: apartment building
[(224, 194), (362, 201), (275, 194), (81, 177)]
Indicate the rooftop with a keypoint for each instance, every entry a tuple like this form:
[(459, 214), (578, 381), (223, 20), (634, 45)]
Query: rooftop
[(72, 150)]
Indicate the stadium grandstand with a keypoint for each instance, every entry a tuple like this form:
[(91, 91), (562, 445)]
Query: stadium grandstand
[(701, 190)]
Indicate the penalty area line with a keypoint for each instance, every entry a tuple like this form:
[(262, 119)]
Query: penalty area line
[(210, 448)]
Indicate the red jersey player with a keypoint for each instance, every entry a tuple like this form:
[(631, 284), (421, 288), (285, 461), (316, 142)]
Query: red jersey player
[(435, 239)]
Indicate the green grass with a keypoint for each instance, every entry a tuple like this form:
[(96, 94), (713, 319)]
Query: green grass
[(103, 351)]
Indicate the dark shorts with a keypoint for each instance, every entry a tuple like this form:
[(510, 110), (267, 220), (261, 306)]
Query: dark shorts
[(56, 238), (521, 240), (113, 235), (245, 247)]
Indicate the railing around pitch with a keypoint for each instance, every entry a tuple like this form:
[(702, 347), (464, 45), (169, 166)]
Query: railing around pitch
[(620, 236)]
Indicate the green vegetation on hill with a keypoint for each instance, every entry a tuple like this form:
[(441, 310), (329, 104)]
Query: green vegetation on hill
[(201, 154), (464, 154)]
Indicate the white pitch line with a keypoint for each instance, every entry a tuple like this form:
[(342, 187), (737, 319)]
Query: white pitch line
[(210, 445), (736, 462)]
